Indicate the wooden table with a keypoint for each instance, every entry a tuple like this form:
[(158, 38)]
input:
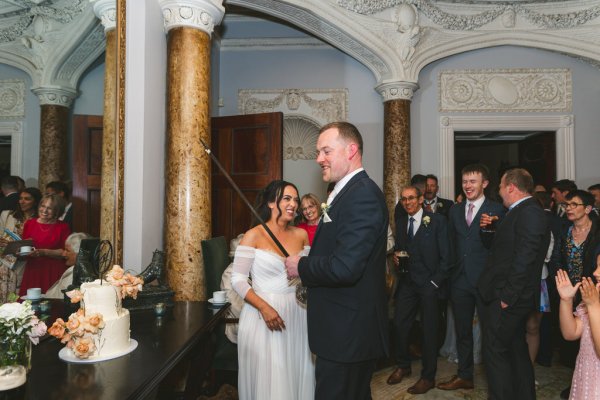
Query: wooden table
[(184, 332)]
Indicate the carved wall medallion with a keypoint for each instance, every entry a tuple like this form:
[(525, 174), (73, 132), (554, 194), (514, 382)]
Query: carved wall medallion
[(501, 90), (12, 98), (305, 111)]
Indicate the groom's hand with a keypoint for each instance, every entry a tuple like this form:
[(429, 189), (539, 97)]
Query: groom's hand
[(291, 266)]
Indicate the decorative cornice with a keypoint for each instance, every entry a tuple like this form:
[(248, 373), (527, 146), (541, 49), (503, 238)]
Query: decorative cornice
[(501, 90), (200, 14), (88, 50), (106, 10), (254, 44), (60, 96), (397, 90), (12, 98)]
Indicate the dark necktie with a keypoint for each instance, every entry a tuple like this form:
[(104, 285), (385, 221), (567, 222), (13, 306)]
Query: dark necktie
[(429, 205), (411, 228)]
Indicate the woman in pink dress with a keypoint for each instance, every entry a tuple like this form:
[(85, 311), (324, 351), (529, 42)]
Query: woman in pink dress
[(45, 265), (311, 212), (584, 324)]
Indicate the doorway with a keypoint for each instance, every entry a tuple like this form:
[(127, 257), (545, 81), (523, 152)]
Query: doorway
[(498, 150), (5, 152)]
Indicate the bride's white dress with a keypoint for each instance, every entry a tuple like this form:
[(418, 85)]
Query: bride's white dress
[(272, 364)]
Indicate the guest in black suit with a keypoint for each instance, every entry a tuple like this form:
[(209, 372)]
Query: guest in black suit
[(420, 182), (62, 189), (559, 190), (510, 287), (469, 257), (424, 236), (10, 188), (595, 191), (345, 271), (432, 202)]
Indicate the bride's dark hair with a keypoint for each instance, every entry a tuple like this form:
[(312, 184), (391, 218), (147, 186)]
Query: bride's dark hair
[(272, 193)]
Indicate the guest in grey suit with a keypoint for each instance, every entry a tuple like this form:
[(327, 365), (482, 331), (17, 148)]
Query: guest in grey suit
[(424, 236), (469, 258)]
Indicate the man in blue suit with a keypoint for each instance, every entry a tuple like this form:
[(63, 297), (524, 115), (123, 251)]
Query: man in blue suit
[(469, 257), (424, 236), (345, 271)]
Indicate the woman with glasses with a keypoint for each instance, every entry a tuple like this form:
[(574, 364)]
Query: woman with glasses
[(311, 212)]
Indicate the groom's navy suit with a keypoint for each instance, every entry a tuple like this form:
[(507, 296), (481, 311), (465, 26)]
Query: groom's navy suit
[(468, 261), (345, 277), (512, 275), (429, 256)]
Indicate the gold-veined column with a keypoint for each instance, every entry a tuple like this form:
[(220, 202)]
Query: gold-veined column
[(111, 189), (187, 177), (54, 122), (396, 138)]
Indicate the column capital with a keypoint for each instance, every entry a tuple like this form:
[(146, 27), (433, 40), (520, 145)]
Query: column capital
[(55, 95), (397, 90), (106, 10), (200, 14)]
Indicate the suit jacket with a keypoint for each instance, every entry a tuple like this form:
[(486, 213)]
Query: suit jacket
[(9, 202), (468, 251), (345, 276), (443, 208), (429, 250), (514, 266)]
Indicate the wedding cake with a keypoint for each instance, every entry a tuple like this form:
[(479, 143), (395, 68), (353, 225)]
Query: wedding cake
[(104, 299), (99, 330)]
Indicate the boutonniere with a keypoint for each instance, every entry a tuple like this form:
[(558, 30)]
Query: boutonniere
[(324, 208), (440, 204), (426, 220)]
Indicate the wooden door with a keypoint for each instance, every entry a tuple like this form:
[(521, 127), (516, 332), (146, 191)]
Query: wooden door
[(250, 149), (87, 165)]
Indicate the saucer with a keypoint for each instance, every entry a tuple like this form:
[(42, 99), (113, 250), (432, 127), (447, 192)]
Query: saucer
[(36, 299), (24, 254), (214, 303)]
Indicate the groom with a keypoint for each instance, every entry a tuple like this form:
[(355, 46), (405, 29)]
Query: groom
[(345, 271)]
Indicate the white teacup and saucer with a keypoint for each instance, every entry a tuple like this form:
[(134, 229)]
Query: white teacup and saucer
[(25, 251)]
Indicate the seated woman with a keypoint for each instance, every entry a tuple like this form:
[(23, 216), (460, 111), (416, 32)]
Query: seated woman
[(45, 265), (311, 211), (70, 254), (11, 224)]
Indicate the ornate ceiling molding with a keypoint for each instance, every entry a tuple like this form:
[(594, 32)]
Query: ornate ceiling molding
[(12, 98), (502, 90), (200, 14), (106, 10)]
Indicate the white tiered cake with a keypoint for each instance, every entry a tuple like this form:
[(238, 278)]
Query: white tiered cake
[(104, 299)]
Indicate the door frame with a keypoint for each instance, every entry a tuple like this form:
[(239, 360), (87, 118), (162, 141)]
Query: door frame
[(14, 129), (562, 125)]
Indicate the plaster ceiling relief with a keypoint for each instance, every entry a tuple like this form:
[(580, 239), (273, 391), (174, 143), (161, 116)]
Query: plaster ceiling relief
[(501, 90), (300, 136), (12, 98)]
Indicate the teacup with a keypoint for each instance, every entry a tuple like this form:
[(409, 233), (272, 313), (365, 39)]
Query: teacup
[(219, 296), (26, 249), (34, 293)]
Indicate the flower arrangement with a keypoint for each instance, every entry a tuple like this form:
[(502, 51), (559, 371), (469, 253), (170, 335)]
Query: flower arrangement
[(77, 333), (426, 220), (324, 209), (19, 326), (130, 285)]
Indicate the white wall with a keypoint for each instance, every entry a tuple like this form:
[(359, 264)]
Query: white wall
[(145, 93), (586, 96), (91, 92), (309, 69)]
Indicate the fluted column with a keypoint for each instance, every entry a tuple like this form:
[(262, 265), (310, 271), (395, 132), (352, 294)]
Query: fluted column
[(111, 189), (187, 182), (54, 122), (396, 138)]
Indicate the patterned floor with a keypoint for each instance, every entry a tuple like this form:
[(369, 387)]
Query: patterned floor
[(551, 382)]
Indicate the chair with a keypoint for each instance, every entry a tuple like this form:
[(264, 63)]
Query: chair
[(216, 258)]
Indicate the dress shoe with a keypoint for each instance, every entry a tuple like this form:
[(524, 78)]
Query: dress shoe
[(456, 383), (565, 393), (398, 375), (422, 386)]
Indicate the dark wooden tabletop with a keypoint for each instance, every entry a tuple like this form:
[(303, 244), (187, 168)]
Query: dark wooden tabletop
[(162, 343)]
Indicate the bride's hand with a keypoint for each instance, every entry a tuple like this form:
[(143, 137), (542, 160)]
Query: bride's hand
[(272, 319)]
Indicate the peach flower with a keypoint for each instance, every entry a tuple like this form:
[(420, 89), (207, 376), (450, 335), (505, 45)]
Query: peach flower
[(75, 295), (93, 323), (83, 347), (58, 328)]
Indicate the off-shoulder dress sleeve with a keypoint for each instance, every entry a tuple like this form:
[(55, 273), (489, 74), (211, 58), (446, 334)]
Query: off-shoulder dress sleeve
[(242, 263)]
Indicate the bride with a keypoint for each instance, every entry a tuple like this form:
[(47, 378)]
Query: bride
[(274, 359)]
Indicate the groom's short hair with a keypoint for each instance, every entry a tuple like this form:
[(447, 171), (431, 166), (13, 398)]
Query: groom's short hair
[(347, 131)]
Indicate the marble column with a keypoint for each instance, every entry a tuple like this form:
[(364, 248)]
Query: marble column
[(396, 139), (110, 189), (187, 177), (55, 103)]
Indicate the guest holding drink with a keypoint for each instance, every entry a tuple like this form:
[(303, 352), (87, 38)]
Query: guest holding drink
[(45, 264), (11, 223), (311, 212)]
